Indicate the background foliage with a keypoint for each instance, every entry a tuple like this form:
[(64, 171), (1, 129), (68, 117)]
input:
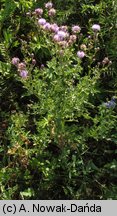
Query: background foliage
[(58, 141)]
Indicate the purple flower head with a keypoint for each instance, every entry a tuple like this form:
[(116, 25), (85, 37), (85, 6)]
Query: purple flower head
[(24, 73), (96, 27), (52, 12), (76, 29), (56, 38), (62, 35), (41, 21), (47, 26), (54, 27), (80, 54), (21, 66), (39, 11), (15, 61), (48, 5)]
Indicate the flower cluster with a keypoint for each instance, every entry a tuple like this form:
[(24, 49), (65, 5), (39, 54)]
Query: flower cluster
[(39, 11), (60, 34), (21, 66), (51, 10)]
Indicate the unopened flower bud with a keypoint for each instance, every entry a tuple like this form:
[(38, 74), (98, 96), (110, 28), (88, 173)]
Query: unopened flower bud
[(21, 66), (64, 28), (33, 61), (32, 55), (63, 44), (73, 38), (52, 12), (83, 47), (105, 61), (39, 11), (110, 62), (97, 48), (61, 52), (28, 13)]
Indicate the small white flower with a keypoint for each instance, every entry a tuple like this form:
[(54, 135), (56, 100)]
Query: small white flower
[(96, 27)]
